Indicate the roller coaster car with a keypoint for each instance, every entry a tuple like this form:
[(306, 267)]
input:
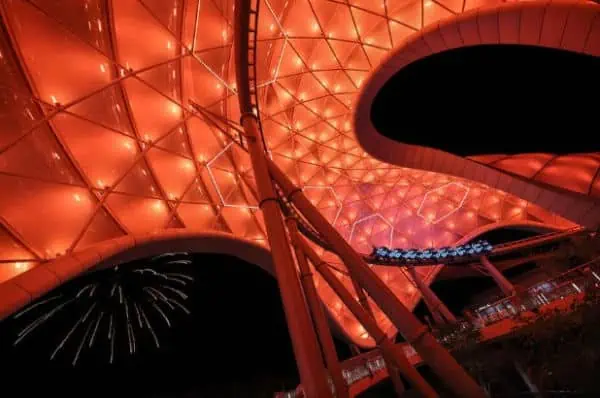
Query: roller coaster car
[(426, 254)]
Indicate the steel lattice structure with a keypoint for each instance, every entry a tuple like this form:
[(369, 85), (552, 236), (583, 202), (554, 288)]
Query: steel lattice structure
[(120, 119)]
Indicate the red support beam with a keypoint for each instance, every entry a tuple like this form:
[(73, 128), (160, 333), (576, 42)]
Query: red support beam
[(391, 352), (318, 314), (504, 284), (432, 301), (415, 333), (304, 340)]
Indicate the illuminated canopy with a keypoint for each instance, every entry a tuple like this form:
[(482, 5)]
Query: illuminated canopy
[(99, 138)]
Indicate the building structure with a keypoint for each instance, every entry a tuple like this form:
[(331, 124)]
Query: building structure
[(129, 124)]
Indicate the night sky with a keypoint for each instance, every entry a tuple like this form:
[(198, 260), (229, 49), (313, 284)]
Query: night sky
[(457, 294), (233, 344), (506, 99)]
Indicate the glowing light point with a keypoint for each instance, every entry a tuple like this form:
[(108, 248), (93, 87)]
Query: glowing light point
[(157, 205)]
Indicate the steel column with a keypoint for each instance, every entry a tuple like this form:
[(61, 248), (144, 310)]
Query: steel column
[(391, 352), (394, 374), (304, 339), (433, 302), (432, 352), (318, 314), (504, 284)]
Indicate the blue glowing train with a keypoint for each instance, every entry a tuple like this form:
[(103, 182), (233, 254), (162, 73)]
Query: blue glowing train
[(384, 255)]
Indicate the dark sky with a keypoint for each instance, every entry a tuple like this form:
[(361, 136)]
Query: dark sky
[(494, 99), (457, 294), (234, 344)]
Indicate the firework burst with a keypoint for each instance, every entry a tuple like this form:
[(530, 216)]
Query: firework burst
[(112, 308)]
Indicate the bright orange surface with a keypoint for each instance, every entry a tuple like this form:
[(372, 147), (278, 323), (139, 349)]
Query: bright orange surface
[(98, 139)]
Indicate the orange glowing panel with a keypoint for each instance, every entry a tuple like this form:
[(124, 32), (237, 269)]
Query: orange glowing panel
[(122, 123)]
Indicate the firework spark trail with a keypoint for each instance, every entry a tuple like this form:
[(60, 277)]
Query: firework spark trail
[(82, 290), (150, 292), (131, 337), (110, 327), (93, 337), (129, 342), (178, 304), (179, 275), (87, 331), (112, 346), (39, 321), (126, 309), (87, 314), (26, 310), (162, 297), (99, 301), (81, 319), (137, 313), (176, 291), (173, 279), (150, 270), (169, 255), (176, 262), (150, 328), (155, 305), (129, 329)]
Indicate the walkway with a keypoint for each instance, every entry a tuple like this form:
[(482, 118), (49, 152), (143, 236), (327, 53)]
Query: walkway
[(493, 321)]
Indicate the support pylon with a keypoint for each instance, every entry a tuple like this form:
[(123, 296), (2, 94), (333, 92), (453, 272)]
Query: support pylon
[(302, 333), (390, 351), (394, 374), (415, 333), (318, 315), (304, 340), (432, 301), (504, 284), (393, 371)]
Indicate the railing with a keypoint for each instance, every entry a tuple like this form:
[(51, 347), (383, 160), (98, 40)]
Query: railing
[(570, 283), (537, 239), (355, 369), (574, 281), (430, 257)]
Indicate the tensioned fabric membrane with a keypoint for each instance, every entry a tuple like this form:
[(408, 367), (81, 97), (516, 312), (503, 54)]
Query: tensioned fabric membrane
[(99, 138)]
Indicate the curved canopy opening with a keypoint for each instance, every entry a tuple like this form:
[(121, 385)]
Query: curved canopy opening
[(509, 233), (492, 99), (233, 341)]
